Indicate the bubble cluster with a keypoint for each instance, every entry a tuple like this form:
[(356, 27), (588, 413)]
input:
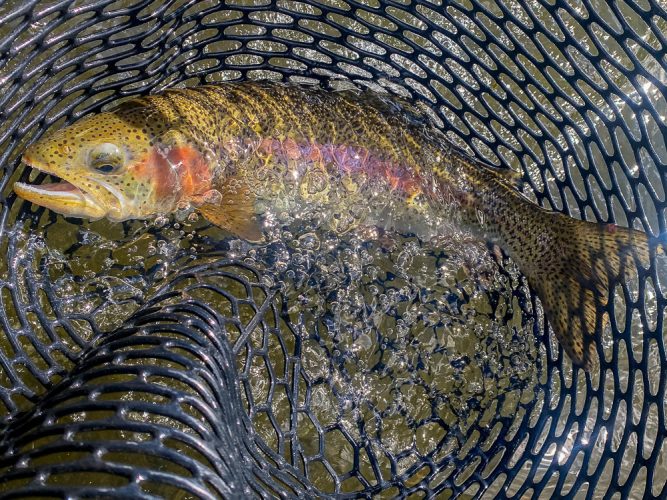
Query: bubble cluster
[(400, 334), (410, 345)]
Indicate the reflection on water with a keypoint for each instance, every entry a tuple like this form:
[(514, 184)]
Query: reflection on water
[(408, 349), (414, 348), (408, 346)]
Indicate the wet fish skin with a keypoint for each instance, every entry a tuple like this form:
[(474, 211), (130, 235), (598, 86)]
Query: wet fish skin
[(233, 149)]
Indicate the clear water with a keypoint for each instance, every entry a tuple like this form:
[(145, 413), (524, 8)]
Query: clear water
[(432, 340)]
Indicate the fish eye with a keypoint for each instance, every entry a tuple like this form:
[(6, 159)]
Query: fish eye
[(106, 158), (106, 168)]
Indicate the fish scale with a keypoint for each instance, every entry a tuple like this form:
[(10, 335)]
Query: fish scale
[(237, 151)]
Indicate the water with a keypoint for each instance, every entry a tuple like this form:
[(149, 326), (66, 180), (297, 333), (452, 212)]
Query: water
[(429, 343), (413, 347)]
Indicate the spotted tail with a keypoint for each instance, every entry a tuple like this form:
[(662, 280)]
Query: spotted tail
[(572, 264)]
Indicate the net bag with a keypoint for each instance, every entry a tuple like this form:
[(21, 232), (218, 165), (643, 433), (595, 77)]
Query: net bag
[(158, 359)]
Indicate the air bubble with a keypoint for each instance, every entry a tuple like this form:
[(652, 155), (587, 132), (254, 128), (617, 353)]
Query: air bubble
[(160, 221), (309, 241), (212, 197)]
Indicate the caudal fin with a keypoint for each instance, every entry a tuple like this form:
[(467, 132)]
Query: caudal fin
[(571, 264)]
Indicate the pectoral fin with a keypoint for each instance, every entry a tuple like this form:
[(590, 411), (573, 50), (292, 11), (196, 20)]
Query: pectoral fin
[(233, 209)]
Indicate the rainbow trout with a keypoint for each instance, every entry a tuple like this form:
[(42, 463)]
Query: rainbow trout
[(235, 152)]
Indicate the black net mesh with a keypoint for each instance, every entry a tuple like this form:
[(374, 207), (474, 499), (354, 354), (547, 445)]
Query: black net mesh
[(143, 359)]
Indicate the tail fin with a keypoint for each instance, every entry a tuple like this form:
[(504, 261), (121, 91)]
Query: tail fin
[(571, 264)]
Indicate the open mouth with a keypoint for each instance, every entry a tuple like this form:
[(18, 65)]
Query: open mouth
[(62, 197)]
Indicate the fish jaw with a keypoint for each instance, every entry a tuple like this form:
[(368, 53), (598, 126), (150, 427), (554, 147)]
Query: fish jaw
[(62, 197)]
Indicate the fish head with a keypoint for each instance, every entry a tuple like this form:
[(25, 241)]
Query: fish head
[(111, 166)]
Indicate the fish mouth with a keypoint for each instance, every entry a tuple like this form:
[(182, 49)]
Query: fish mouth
[(62, 197)]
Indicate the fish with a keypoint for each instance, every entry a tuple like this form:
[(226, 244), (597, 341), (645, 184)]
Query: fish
[(234, 152)]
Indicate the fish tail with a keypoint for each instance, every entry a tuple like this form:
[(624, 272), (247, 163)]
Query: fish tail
[(572, 264)]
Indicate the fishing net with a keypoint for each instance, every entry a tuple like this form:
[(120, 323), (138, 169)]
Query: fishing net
[(165, 359)]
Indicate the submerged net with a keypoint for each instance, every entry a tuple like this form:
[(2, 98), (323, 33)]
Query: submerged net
[(166, 358)]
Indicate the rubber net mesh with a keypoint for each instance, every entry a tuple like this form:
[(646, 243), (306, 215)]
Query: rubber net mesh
[(160, 358)]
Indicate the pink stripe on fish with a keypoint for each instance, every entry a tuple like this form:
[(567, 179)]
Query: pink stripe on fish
[(350, 160)]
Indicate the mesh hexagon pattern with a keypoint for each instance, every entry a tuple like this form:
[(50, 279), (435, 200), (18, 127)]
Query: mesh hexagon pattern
[(148, 372)]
